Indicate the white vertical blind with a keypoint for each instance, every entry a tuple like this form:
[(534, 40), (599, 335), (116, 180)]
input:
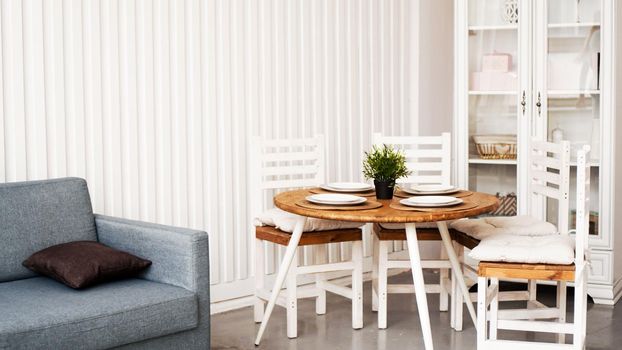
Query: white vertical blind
[(154, 101)]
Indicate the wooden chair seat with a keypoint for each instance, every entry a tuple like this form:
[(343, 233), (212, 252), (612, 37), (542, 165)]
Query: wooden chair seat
[(545, 272), (423, 234), (274, 235)]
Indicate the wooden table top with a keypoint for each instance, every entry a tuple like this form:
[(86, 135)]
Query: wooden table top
[(287, 201)]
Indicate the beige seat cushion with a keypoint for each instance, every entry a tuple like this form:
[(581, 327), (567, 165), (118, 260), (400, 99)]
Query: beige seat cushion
[(523, 225), (286, 222), (550, 249)]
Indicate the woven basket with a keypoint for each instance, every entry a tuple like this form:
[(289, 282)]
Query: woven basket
[(496, 146)]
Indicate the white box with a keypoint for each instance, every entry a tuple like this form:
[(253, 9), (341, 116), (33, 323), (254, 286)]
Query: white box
[(573, 71), (494, 81), (497, 62)]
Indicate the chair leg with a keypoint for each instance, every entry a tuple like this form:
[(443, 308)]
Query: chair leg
[(374, 272), (532, 289), (320, 251), (292, 299), (561, 305), (457, 295), (494, 308), (580, 314), (357, 285), (444, 282), (259, 279), (482, 288), (383, 257)]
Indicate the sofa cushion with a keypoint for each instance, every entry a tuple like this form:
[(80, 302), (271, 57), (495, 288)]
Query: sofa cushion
[(40, 313), (39, 214), (85, 263)]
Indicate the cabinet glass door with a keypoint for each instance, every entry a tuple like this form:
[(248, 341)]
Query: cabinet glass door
[(568, 87), (495, 93)]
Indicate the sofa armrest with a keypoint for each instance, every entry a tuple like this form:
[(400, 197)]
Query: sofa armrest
[(179, 255)]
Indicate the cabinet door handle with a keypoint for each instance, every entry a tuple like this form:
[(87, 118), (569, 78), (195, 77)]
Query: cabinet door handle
[(523, 102), (539, 104)]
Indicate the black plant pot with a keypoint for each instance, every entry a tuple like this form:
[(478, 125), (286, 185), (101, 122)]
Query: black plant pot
[(384, 189)]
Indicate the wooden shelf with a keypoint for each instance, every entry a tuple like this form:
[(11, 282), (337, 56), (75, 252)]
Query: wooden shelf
[(492, 161)]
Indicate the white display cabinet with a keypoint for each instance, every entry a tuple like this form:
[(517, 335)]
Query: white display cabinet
[(542, 69)]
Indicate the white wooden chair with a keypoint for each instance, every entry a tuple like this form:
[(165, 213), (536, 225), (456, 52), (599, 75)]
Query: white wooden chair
[(288, 164), (429, 159), (489, 314), (549, 177)]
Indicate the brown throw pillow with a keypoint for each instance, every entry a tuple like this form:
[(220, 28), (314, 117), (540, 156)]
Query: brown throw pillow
[(84, 263)]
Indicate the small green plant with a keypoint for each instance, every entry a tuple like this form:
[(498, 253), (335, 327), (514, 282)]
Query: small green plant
[(384, 164)]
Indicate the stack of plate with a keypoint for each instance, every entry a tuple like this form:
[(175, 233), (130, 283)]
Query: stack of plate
[(347, 187), (431, 201), (429, 189), (336, 199)]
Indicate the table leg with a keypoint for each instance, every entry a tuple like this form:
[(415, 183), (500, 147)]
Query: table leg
[(422, 300), (280, 277), (456, 268)]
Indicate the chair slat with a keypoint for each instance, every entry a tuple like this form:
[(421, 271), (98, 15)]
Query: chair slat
[(425, 166), (545, 161), (280, 184), (411, 140), (546, 176), (423, 153), (546, 191), (290, 170), (547, 147), (291, 156)]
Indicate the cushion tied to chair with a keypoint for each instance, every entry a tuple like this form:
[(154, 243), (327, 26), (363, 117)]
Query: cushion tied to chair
[(286, 222), (522, 225), (550, 249)]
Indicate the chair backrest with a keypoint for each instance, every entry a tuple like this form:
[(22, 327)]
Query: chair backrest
[(549, 176), (39, 214), (281, 164), (583, 206), (428, 157)]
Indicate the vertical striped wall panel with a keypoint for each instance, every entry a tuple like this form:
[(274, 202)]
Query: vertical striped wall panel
[(154, 101)]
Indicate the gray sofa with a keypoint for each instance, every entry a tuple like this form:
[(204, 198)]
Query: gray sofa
[(166, 307)]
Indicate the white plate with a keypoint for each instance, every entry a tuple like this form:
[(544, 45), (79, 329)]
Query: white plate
[(430, 189), (335, 199), (431, 201), (347, 187)]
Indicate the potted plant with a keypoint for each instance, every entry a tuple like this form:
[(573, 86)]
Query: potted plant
[(385, 165)]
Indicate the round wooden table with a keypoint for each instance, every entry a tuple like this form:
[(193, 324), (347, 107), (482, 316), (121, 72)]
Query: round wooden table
[(481, 203)]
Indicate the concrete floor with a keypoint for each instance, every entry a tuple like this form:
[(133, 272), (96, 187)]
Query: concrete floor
[(236, 329)]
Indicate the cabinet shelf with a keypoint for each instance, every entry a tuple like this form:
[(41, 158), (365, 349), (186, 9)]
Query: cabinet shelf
[(492, 92), (574, 25), (494, 27), (558, 93), (492, 161)]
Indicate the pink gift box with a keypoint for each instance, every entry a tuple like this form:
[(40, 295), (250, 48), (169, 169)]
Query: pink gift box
[(494, 81), (497, 62)]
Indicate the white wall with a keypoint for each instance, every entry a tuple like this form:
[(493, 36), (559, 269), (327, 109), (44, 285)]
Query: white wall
[(153, 101)]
